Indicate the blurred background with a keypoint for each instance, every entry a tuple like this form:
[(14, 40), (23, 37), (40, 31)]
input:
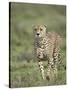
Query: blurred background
[(22, 65)]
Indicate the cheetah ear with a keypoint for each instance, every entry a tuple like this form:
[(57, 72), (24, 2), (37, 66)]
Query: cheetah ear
[(33, 26), (45, 25)]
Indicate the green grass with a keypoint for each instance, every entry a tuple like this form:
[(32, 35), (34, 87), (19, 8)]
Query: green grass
[(24, 69), (25, 74)]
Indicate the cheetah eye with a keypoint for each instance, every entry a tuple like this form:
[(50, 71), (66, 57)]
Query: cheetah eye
[(35, 29), (41, 29)]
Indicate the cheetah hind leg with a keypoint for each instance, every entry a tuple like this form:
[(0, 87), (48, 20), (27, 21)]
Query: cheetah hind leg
[(55, 69), (41, 69)]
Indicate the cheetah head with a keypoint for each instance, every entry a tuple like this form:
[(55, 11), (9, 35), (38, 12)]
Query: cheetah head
[(39, 30)]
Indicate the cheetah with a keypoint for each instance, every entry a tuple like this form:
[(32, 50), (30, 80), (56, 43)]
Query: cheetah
[(46, 48)]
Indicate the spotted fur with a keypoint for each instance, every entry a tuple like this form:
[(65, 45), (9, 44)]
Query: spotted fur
[(47, 46)]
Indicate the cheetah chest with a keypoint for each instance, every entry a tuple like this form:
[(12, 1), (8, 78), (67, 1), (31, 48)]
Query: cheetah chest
[(42, 48)]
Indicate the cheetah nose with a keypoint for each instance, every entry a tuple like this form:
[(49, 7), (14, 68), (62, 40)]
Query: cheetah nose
[(37, 33)]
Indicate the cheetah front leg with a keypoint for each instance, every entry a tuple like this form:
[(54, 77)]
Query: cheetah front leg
[(41, 68), (49, 74)]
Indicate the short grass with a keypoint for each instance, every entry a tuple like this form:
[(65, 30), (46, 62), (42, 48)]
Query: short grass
[(24, 69), (24, 74)]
